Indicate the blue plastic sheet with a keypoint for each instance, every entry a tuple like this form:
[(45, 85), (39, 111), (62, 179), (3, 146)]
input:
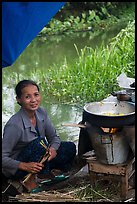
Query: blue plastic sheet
[(21, 22)]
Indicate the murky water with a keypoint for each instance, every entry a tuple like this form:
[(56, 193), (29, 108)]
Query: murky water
[(41, 54)]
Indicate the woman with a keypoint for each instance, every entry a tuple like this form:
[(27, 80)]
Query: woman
[(23, 133)]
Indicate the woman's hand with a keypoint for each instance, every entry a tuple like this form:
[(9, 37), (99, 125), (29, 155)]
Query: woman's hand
[(31, 167), (52, 153)]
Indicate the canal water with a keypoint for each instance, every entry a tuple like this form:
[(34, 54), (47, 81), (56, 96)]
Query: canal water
[(43, 52)]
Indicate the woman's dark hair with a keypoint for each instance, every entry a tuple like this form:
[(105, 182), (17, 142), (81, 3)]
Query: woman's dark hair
[(22, 84)]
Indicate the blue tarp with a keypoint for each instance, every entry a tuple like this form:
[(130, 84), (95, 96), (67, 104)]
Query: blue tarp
[(21, 22)]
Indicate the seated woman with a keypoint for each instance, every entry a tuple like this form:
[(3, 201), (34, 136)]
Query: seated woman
[(24, 133)]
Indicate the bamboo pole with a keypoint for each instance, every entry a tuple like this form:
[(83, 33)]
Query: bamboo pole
[(74, 125), (45, 157), (42, 161)]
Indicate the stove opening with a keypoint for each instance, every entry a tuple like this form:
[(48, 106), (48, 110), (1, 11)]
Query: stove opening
[(111, 130)]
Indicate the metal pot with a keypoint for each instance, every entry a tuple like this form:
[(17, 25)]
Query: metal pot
[(109, 148), (122, 95), (109, 114)]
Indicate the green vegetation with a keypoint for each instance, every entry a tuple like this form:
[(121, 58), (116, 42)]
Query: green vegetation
[(93, 76), (98, 16)]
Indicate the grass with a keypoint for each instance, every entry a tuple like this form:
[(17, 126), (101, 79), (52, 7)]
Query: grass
[(93, 76)]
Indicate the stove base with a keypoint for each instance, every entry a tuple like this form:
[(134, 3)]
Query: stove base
[(121, 173)]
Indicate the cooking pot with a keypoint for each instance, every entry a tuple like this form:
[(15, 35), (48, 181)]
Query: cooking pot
[(122, 95), (109, 114)]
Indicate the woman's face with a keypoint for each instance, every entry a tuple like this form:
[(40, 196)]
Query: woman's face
[(30, 99)]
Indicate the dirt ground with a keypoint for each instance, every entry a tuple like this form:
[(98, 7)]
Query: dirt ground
[(78, 189)]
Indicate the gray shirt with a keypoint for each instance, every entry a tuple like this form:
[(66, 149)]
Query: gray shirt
[(19, 131)]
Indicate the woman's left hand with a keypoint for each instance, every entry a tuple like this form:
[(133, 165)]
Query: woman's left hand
[(52, 153)]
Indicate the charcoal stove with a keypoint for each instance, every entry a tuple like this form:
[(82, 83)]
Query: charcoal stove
[(114, 147), (111, 137), (114, 157)]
